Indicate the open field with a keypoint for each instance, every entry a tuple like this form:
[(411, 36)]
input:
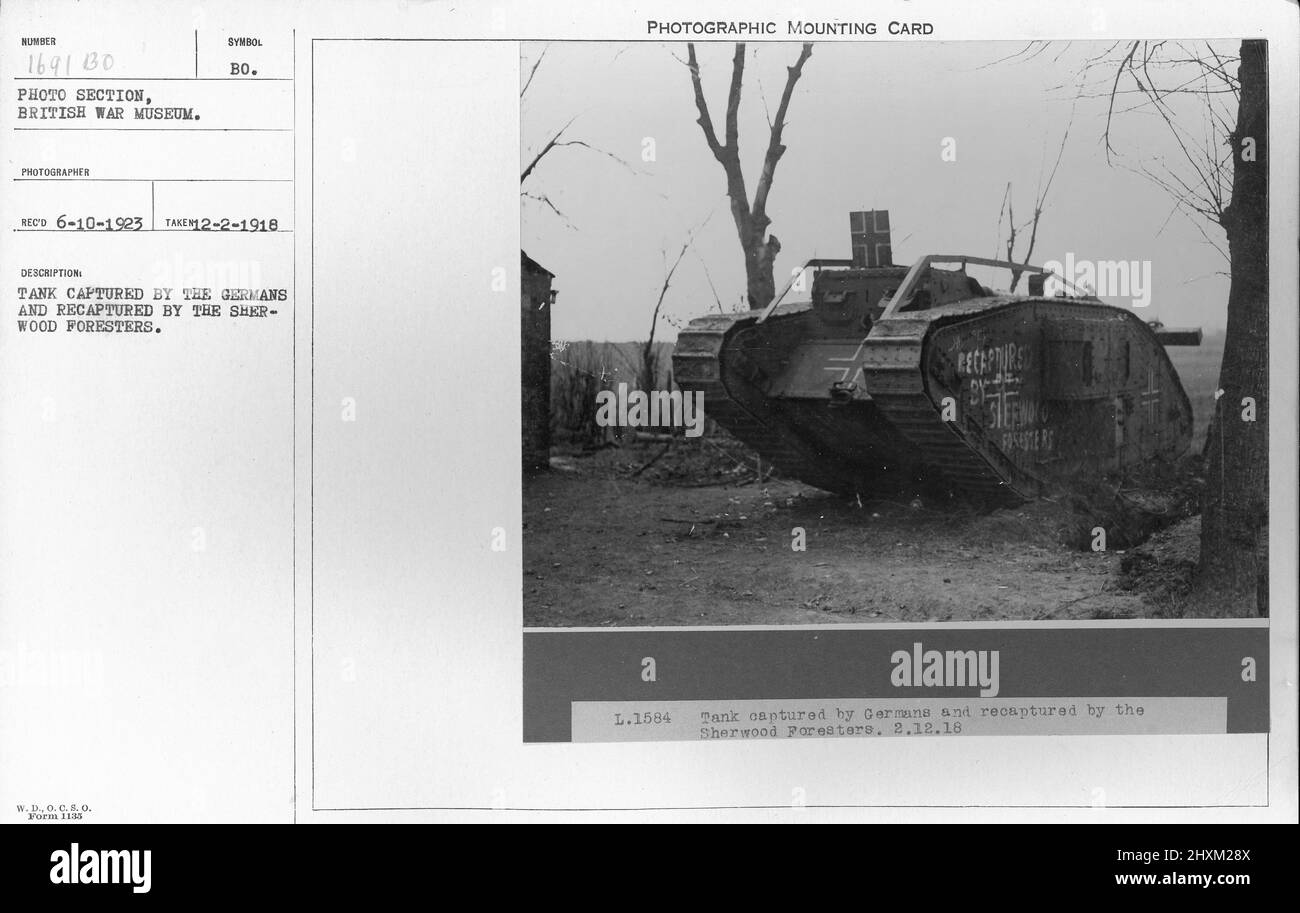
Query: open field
[(1199, 370)]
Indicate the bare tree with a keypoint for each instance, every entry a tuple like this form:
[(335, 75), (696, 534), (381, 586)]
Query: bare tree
[(1040, 201), (1220, 178), (647, 370), (1234, 509), (759, 247)]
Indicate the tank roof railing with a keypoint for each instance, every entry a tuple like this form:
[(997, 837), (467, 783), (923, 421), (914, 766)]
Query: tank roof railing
[(918, 269), (913, 277)]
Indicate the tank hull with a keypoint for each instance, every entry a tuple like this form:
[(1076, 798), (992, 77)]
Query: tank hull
[(997, 398)]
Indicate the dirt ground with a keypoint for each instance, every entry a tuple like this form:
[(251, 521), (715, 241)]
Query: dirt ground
[(604, 548)]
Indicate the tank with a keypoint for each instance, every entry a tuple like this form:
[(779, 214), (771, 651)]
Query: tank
[(893, 378)]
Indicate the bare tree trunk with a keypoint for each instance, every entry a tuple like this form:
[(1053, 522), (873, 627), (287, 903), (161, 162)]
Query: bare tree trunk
[(760, 248), (1235, 503), (649, 365), (760, 281)]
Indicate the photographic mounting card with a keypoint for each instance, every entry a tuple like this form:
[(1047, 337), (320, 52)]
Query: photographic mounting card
[(908, 372)]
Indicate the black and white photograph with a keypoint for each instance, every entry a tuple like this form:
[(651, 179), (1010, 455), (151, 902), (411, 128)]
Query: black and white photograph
[(853, 332)]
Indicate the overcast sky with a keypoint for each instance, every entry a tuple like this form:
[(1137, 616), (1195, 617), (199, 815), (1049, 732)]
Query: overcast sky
[(865, 130)]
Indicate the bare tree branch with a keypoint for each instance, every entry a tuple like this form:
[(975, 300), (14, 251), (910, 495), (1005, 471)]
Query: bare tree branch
[(733, 98), (1040, 203), (648, 361), (1002, 209), (545, 149), (705, 121), (709, 278), (533, 71), (1110, 111), (668, 277), (599, 151), (1205, 192), (1020, 53), (546, 201), (774, 148), (556, 143)]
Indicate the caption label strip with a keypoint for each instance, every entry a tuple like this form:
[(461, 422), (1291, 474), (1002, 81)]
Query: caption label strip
[(655, 721)]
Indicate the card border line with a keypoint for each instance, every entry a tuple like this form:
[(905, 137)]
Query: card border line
[(312, 537)]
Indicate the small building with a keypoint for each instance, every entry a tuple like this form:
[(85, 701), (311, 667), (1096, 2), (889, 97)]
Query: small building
[(535, 300)]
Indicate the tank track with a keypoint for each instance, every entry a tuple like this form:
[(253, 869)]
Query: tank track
[(700, 363), (893, 359)]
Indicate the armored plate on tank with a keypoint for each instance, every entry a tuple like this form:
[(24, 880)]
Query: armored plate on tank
[(900, 376)]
